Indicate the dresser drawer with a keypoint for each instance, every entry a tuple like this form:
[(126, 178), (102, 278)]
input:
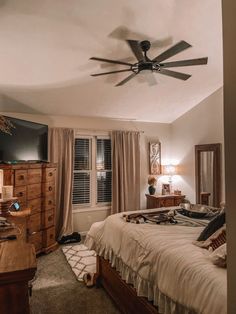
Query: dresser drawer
[(169, 202), (20, 177), (48, 218), (20, 193), (48, 188), (36, 239), (178, 201), (34, 223), (162, 203), (34, 191), (34, 205), (48, 237), (34, 176), (48, 202), (49, 174)]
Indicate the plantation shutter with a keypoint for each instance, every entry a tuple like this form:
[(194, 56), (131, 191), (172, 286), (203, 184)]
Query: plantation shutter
[(82, 171), (103, 167)]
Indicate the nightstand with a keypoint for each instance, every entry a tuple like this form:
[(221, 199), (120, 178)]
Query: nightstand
[(157, 201)]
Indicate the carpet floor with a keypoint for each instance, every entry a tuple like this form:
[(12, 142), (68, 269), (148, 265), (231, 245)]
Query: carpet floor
[(57, 291)]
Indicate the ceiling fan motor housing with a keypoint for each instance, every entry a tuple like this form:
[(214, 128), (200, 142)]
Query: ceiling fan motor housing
[(145, 45)]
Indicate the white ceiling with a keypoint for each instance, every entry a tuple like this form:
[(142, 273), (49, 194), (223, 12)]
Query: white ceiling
[(46, 45)]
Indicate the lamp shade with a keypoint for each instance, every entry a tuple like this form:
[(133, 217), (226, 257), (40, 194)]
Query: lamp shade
[(169, 170)]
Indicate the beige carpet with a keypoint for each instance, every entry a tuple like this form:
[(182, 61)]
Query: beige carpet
[(57, 291), (81, 259)]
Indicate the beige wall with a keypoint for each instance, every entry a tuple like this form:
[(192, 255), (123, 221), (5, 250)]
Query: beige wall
[(229, 27), (201, 125), (152, 132)]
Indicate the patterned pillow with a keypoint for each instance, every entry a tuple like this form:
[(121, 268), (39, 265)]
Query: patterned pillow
[(212, 227), (219, 256), (214, 241)]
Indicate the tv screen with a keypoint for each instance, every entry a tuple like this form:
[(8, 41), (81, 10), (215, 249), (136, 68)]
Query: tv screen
[(29, 141)]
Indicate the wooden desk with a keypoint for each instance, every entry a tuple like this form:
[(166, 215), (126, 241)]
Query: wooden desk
[(157, 201), (17, 268)]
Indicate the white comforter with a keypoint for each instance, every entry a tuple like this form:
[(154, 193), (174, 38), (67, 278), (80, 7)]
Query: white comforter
[(163, 264)]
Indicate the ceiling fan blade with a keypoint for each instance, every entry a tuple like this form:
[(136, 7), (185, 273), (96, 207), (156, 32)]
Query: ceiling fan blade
[(111, 72), (110, 61), (126, 60), (178, 75), (126, 79), (135, 47), (184, 63), (181, 46)]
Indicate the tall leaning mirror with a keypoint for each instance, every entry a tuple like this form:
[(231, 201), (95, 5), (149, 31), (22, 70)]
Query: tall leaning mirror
[(208, 174)]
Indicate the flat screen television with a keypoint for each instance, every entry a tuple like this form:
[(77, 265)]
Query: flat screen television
[(28, 142)]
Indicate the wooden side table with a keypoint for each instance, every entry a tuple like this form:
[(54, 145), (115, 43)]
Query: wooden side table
[(157, 201), (17, 268)]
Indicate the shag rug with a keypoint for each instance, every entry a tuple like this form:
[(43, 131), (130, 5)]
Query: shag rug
[(81, 259)]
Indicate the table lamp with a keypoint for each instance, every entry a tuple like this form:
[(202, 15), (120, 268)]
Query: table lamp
[(170, 171)]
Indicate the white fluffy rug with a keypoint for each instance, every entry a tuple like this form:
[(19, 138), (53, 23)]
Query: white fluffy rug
[(81, 259)]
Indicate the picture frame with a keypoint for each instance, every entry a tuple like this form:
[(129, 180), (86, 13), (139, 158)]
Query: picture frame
[(155, 158), (165, 188)]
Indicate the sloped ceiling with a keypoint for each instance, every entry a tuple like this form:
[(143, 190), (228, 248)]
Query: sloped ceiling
[(45, 48)]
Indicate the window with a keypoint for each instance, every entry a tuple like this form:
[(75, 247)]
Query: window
[(92, 171)]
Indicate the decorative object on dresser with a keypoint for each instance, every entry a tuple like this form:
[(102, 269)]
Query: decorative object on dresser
[(157, 201), (155, 158), (165, 189), (152, 181), (34, 187)]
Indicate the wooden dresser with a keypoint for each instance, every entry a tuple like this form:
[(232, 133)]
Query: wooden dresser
[(34, 186), (157, 201)]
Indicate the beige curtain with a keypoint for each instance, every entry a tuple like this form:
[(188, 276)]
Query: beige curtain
[(125, 171), (61, 151)]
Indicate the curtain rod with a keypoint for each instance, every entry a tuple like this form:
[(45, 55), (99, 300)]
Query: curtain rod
[(98, 130)]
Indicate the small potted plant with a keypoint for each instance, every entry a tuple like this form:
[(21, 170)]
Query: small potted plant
[(152, 181)]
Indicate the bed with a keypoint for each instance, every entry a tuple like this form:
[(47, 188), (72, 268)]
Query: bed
[(158, 263)]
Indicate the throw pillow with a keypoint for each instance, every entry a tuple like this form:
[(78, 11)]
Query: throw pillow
[(212, 227), (219, 256), (214, 241)]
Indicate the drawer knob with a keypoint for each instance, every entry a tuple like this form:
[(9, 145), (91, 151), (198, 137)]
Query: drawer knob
[(50, 174), (51, 236), (49, 202), (50, 188), (22, 177), (50, 218), (20, 194)]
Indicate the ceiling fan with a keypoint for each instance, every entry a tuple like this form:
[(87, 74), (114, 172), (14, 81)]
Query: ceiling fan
[(155, 65)]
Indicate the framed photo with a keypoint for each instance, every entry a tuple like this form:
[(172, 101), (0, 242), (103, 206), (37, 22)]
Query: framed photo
[(155, 158), (165, 188)]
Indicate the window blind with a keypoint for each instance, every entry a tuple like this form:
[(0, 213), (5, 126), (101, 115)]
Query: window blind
[(82, 169), (104, 174), (82, 154), (81, 190)]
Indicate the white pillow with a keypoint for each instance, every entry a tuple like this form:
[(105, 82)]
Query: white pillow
[(219, 256)]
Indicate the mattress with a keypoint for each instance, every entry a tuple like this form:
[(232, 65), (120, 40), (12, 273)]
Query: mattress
[(163, 264)]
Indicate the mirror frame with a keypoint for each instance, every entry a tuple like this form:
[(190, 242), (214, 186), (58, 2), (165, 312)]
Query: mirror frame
[(216, 149)]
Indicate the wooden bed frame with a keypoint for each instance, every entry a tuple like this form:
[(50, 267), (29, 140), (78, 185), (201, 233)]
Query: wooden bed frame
[(123, 294)]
